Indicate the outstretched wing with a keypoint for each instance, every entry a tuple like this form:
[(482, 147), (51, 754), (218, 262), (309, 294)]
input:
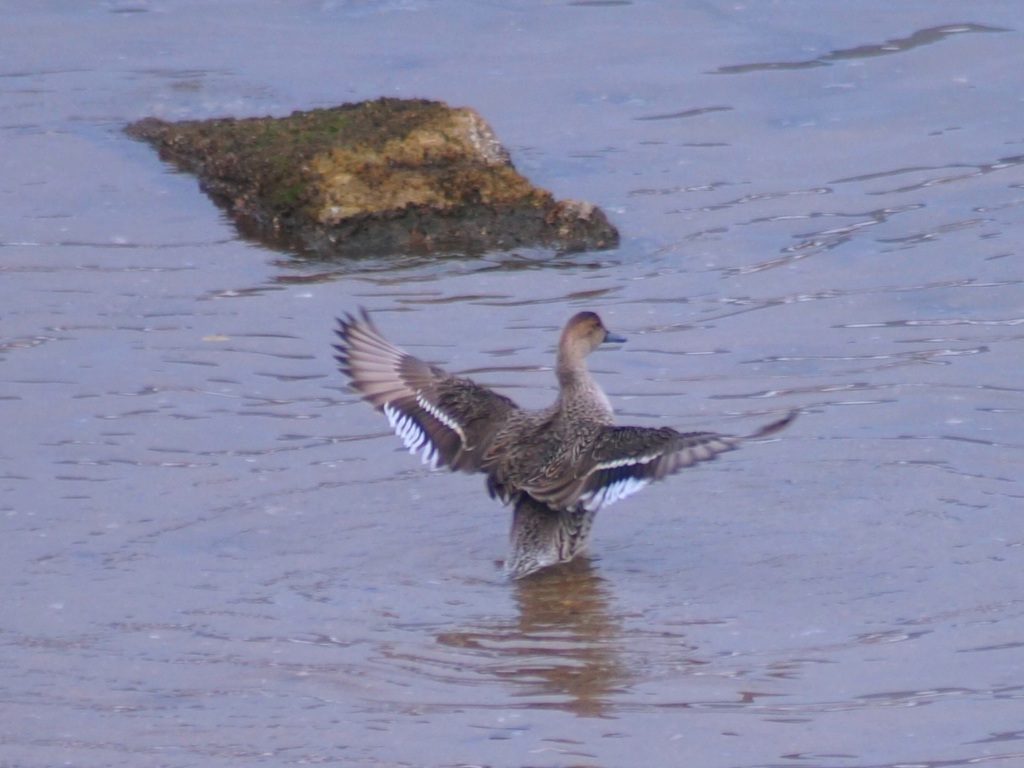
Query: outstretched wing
[(622, 460), (625, 459), (443, 417)]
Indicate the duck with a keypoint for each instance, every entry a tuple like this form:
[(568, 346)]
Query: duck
[(557, 467)]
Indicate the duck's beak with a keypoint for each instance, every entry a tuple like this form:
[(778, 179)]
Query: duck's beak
[(613, 338)]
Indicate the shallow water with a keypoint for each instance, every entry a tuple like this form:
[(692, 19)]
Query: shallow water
[(213, 554)]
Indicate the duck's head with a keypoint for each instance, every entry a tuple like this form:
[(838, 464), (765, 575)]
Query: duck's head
[(583, 334)]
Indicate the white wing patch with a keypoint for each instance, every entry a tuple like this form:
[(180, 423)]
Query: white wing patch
[(619, 489), (609, 494), (440, 415), (629, 461), (412, 435)]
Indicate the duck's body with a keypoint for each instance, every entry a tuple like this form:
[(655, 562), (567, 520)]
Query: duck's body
[(558, 466)]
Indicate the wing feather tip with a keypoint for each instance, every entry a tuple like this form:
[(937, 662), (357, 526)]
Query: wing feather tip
[(776, 426)]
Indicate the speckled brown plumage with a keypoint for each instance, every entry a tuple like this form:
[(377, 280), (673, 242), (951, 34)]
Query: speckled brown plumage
[(557, 466)]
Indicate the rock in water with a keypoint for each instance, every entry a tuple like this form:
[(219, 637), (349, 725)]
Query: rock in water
[(374, 178)]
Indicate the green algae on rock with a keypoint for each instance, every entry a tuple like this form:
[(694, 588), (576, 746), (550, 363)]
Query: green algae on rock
[(377, 177)]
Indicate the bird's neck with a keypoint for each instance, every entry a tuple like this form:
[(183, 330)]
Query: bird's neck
[(578, 393)]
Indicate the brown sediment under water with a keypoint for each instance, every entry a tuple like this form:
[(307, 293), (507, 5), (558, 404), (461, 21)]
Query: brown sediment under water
[(212, 553)]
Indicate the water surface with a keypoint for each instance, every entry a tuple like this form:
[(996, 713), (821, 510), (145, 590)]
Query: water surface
[(214, 554)]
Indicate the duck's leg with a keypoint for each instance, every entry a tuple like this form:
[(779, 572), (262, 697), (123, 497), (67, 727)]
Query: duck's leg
[(542, 536)]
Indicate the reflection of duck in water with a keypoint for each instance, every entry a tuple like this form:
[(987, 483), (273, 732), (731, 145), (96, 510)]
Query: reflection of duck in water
[(565, 648), (558, 466)]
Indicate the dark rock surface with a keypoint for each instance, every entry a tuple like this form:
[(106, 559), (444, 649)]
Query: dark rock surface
[(378, 177)]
